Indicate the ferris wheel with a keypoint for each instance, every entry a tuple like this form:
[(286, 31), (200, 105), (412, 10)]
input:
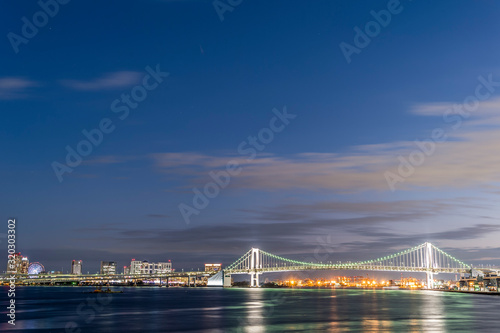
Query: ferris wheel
[(35, 268)]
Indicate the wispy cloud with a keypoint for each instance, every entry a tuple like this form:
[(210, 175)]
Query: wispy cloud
[(384, 210), (115, 80), (382, 241), (467, 158), (292, 238), (372, 229), (15, 87)]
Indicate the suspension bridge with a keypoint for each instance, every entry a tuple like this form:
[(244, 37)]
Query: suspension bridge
[(425, 258)]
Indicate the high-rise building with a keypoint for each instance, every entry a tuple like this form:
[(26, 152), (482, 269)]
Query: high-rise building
[(17, 264), (147, 267), (24, 265), (135, 267), (126, 270), (108, 267), (76, 267)]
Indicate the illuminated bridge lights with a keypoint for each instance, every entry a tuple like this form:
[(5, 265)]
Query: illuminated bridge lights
[(425, 257)]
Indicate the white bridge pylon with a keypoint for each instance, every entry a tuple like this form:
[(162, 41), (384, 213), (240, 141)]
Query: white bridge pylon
[(425, 258), (254, 265)]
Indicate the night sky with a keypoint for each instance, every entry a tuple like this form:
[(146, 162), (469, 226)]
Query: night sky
[(302, 135)]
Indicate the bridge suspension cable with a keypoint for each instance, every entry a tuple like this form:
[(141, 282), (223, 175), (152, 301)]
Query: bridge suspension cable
[(424, 257)]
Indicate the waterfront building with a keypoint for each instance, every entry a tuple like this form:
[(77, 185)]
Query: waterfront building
[(14, 261), (162, 267), (135, 267), (126, 270), (17, 264), (488, 282), (76, 267), (145, 267), (23, 269), (108, 267), (213, 267), (155, 268)]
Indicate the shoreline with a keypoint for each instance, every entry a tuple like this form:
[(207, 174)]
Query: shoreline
[(468, 292), (237, 287)]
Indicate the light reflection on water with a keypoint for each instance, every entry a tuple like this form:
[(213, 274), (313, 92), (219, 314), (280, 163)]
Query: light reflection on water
[(432, 313), (49, 309), (255, 308)]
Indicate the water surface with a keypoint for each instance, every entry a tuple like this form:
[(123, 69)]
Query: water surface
[(152, 309)]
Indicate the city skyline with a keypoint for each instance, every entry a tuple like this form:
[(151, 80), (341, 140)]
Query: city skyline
[(424, 259), (300, 151), (20, 264)]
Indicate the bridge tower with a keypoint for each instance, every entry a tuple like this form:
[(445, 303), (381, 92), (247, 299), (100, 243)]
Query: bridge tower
[(429, 265), (254, 265)]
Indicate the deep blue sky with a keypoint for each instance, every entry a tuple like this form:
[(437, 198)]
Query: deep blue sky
[(323, 174)]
